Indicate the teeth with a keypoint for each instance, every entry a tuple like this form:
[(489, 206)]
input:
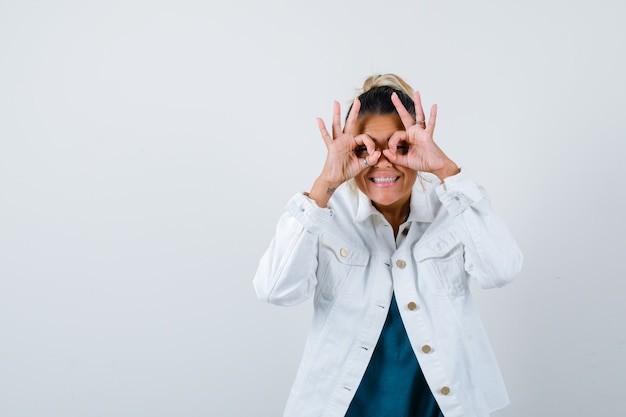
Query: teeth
[(383, 180)]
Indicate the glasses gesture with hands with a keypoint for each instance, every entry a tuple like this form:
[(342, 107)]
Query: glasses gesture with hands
[(349, 153)]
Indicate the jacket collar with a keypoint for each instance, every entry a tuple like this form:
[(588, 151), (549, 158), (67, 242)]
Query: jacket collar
[(424, 203)]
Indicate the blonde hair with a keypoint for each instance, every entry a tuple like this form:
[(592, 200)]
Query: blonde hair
[(386, 80)]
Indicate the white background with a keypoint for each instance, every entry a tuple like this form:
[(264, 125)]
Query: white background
[(147, 149)]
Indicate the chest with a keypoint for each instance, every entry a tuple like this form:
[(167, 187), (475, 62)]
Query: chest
[(361, 260)]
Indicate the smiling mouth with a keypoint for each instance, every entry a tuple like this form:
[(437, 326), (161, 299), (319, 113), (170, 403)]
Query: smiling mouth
[(384, 180)]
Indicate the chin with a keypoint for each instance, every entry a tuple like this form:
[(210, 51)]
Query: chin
[(384, 200)]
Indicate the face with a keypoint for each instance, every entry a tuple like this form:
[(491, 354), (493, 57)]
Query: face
[(387, 185)]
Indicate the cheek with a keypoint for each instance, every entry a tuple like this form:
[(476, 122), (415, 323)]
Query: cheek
[(360, 180), (410, 178)]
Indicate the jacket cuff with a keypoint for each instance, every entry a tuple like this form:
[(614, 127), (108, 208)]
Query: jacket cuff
[(458, 192), (312, 217)]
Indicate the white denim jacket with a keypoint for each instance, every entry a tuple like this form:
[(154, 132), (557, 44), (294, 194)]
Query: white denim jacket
[(347, 258)]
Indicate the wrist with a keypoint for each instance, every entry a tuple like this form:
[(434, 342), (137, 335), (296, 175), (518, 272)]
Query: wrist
[(450, 169), (322, 190)]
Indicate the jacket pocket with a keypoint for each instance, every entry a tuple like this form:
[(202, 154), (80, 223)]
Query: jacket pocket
[(441, 264), (338, 262)]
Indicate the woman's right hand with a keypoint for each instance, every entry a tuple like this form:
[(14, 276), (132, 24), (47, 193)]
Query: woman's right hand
[(342, 163)]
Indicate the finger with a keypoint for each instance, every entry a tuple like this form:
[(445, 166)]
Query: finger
[(396, 138), (371, 159), (405, 116), (360, 139), (352, 117), (367, 141), (390, 155), (336, 119), (432, 119), (419, 110), (396, 159), (325, 135)]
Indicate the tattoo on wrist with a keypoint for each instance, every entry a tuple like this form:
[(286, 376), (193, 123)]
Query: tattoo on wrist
[(330, 191)]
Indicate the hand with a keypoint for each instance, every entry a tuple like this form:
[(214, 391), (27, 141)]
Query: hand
[(342, 163), (422, 154)]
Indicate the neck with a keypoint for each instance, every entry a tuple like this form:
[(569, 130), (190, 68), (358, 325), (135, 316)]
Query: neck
[(396, 213)]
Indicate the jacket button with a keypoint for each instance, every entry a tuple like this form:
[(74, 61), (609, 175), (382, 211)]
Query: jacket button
[(412, 306), (445, 390), (400, 264), (426, 349), (344, 252)]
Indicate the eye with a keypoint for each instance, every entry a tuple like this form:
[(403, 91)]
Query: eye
[(402, 148), (361, 151)]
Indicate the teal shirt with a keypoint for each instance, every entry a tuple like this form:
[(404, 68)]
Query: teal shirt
[(393, 384)]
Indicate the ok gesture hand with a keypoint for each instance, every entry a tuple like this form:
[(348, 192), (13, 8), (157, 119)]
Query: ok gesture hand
[(423, 153), (341, 162)]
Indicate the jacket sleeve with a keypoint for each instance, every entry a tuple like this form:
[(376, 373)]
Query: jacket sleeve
[(492, 256), (286, 274)]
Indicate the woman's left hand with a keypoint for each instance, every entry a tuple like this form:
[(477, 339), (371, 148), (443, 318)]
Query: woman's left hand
[(423, 154)]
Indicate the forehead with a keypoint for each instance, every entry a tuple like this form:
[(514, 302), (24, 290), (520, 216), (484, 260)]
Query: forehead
[(379, 126)]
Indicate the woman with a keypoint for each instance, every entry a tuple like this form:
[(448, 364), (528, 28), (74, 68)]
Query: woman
[(386, 242)]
